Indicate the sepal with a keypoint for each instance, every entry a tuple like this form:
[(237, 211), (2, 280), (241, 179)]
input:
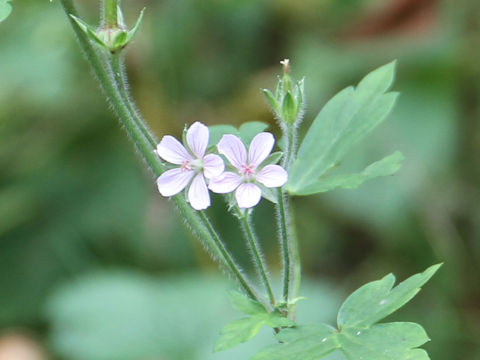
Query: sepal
[(112, 39)]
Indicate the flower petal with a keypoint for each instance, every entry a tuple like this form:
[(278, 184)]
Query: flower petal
[(260, 147), (172, 150), (233, 149), (272, 176), (225, 183), (173, 181), (212, 165), (248, 195), (198, 195), (197, 139)]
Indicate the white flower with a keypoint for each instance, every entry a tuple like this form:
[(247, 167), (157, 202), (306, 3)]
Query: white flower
[(249, 173), (194, 164)]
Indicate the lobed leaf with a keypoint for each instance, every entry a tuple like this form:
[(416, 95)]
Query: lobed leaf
[(389, 165), (391, 341), (358, 338), (308, 342), (375, 300), (347, 118)]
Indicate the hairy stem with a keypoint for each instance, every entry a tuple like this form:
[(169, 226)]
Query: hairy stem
[(233, 266), (202, 229), (117, 67), (288, 240), (258, 257), (110, 13)]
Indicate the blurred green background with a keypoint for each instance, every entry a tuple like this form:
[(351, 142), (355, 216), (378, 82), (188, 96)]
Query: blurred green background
[(95, 265)]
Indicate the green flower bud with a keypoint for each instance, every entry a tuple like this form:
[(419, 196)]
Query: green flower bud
[(113, 39), (288, 101), (110, 37)]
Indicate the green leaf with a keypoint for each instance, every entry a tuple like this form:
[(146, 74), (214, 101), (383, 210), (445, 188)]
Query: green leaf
[(5, 9), (358, 337), (347, 118), (387, 166), (217, 131), (242, 330), (391, 341), (238, 331), (249, 129), (276, 320), (246, 132), (308, 342), (245, 305), (269, 194), (376, 300), (273, 158)]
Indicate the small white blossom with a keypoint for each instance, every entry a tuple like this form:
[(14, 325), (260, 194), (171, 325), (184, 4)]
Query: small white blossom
[(249, 170), (194, 164)]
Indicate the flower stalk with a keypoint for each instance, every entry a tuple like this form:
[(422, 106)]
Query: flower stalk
[(117, 67), (256, 251), (119, 100), (110, 13), (288, 104)]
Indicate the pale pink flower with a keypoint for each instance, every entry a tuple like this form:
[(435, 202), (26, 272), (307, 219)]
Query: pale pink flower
[(249, 170), (194, 164)]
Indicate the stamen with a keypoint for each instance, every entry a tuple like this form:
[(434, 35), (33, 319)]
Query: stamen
[(247, 170), (185, 166)]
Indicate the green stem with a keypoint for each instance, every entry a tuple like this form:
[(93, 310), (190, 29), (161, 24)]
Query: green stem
[(284, 243), (117, 67), (288, 240), (290, 134), (110, 13), (203, 230), (112, 93), (256, 252), (233, 267)]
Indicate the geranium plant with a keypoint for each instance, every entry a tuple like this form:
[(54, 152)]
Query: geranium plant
[(240, 164)]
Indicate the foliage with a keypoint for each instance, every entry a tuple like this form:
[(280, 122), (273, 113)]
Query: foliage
[(358, 336), (242, 330), (53, 226), (346, 119)]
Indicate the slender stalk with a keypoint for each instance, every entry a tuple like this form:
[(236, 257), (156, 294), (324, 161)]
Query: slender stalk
[(288, 240), (110, 13), (290, 133), (117, 67), (201, 228), (297, 264), (258, 257), (231, 262), (284, 242)]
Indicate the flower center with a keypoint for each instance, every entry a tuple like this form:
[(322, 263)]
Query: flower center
[(247, 170), (185, 166)]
